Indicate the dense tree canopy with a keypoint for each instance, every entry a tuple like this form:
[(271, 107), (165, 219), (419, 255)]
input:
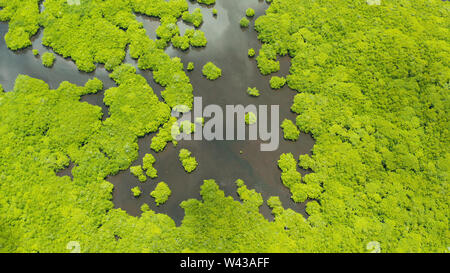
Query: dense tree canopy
[(373, 90), (161, 193), (99, 31), (189, 162), (211, 71), (372, 83), (48, 59)]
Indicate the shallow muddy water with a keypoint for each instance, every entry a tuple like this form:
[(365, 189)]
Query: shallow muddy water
[(220, 160)]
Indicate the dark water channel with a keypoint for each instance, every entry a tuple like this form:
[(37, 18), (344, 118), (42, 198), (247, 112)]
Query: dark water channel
[(220, 160)]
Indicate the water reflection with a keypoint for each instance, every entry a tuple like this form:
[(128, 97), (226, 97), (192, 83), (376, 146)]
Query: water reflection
[(220, 160)]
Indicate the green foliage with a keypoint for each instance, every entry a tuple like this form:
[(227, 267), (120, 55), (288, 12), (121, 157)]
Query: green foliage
[(136, 191), (23, 17), (290, 130), (195, 18), (275, 204), (206, 2), (250, 197), (267, 60), (244, 230), (161, 193), (99, 31), (250, 118), (35, 52), (94, 85), (215, 12), (373, 83), (244, 22), (138, 172), (373, 91), (189, 162), (181, 42), (292, 179), (166, 134), (196, 37), (147, 164), (254, 92), (186, 127), (61, 209), (277, 82), (48, 59), (145, 207), (251, 53), (211, 71), (190, 66), (250, 12)]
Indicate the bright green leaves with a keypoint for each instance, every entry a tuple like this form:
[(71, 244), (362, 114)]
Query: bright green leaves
[(251, 53), (48, 59), (161, 193), (189, 162), (377, 133), (250, 118), (254, 92), (275, 204), (92, 86), (250, 12), (196, 37), (98, 38), (167, 133), (181, 42), (211, 71), (195, 18), (206, 2), (138, 172), (277, 82), (23, 17), (290, 130), (244, 22), (136, 191), (133, 104), (250, 197), (190, 66), (244, 230), (291, 177), (147, 164), (267, 60), (99, 32)]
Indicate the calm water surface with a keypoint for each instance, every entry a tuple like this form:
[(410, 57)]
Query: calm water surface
[(220, 160)]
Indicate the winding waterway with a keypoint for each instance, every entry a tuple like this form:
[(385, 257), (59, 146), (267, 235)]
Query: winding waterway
[(220, 160)]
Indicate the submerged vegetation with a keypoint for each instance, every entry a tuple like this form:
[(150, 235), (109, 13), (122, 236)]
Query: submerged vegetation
[(372, 83)]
